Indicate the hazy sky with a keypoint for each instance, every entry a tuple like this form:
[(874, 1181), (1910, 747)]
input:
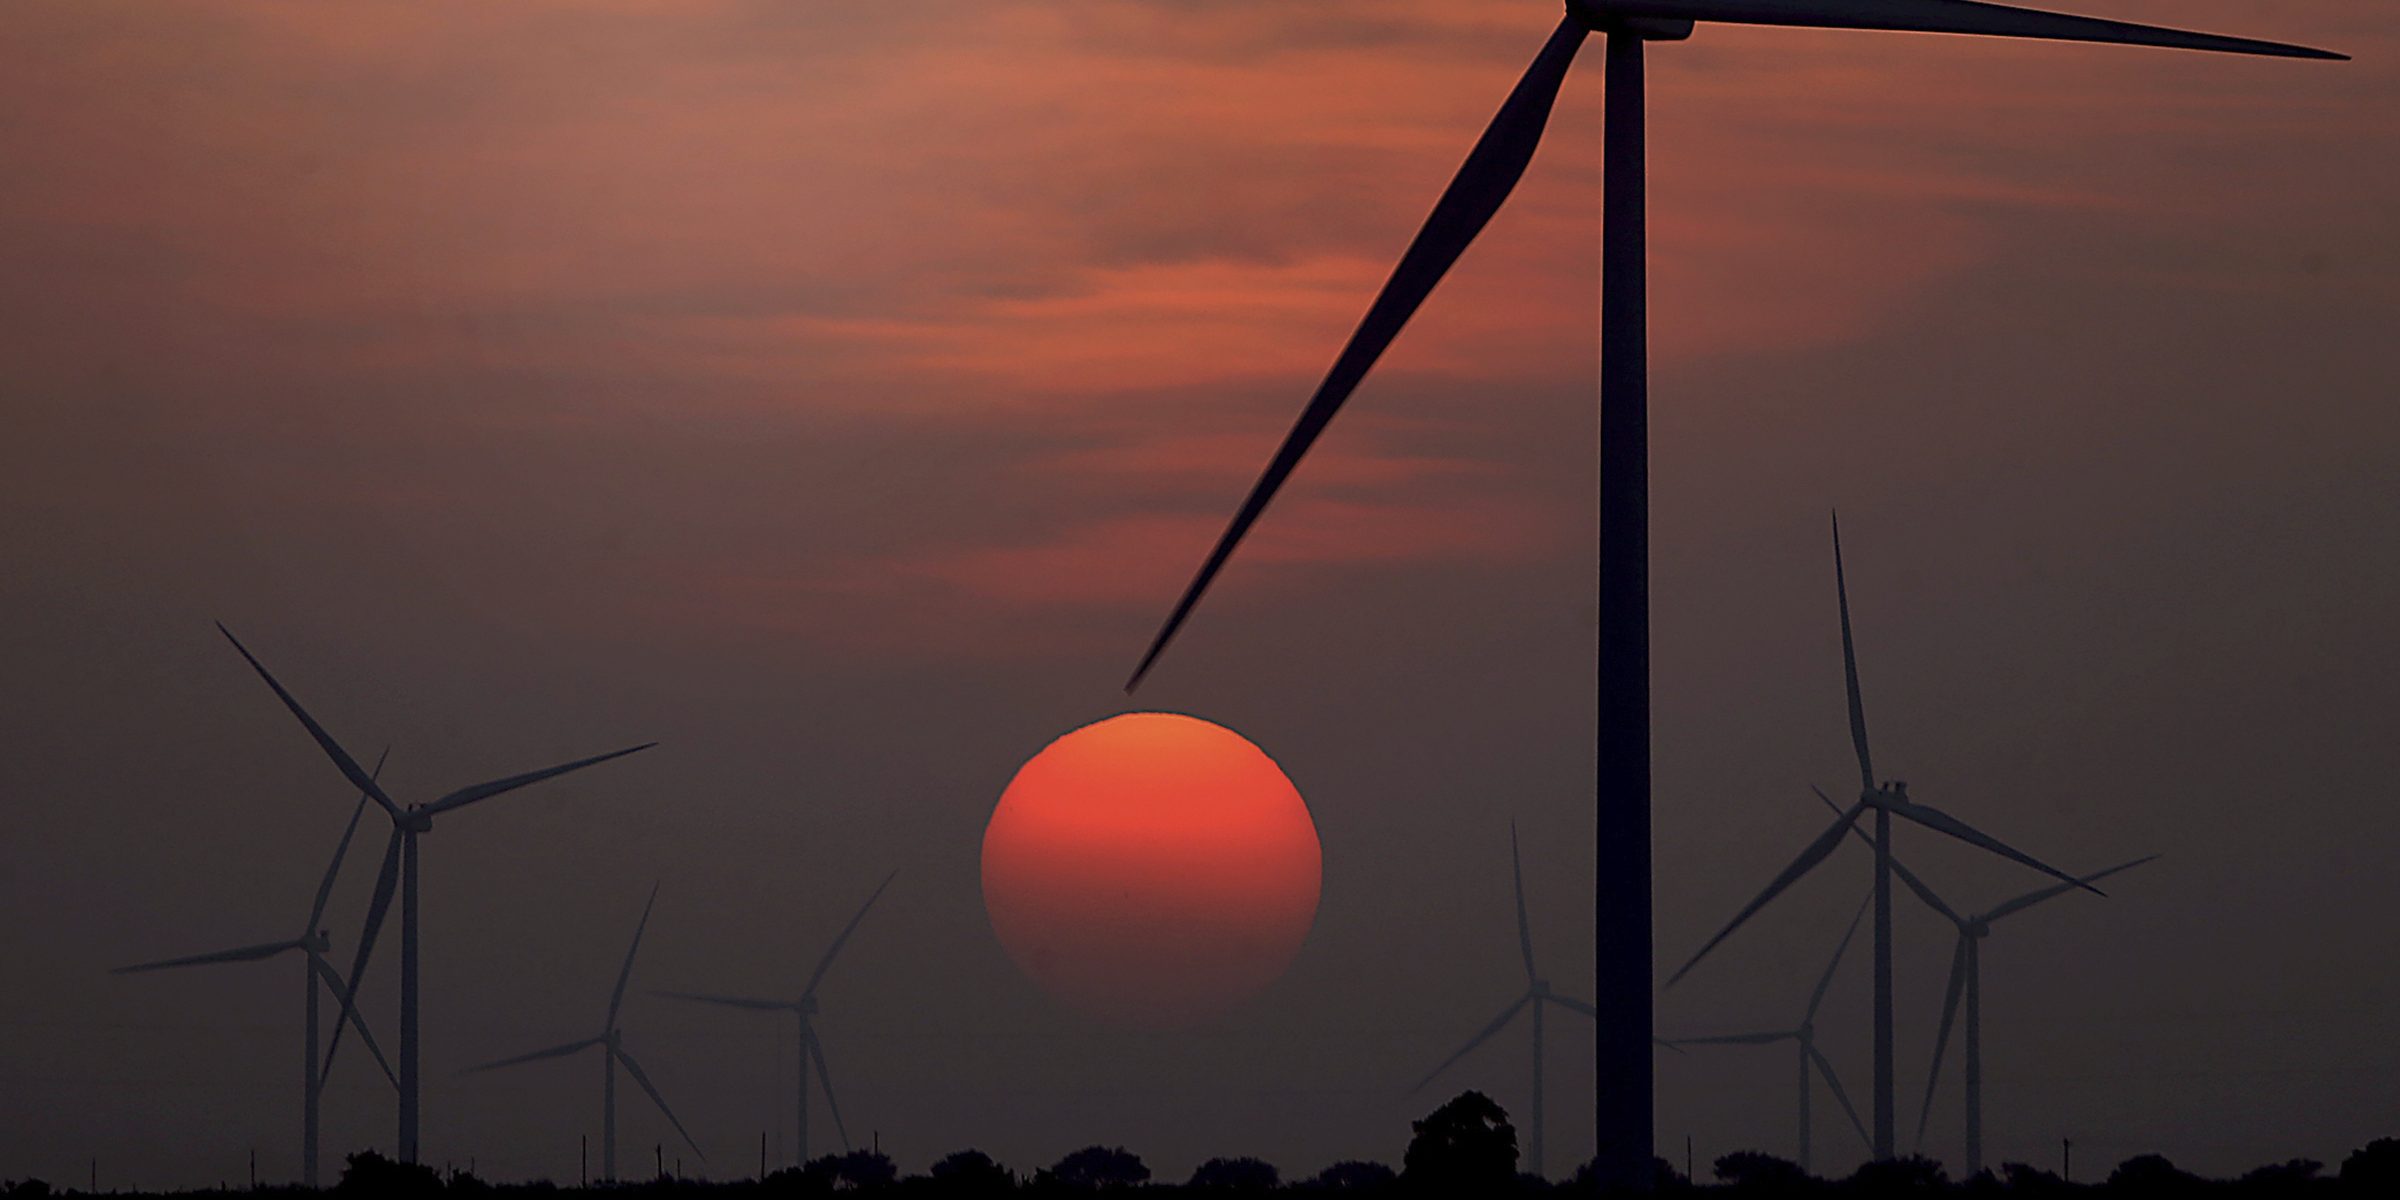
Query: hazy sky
[(839, 395)]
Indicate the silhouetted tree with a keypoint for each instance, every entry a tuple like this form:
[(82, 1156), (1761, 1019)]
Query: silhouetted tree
[(1752, 1169), (1354, 1176), (1463, 1146), (28, 1189), (2025, 1177), (2151, 1175), (1237, 1175), (973, 1171), (371, 1174), (2374, 1169), (1097, 1167), (850, 1171), (1914, 1175), (2284, 1178)]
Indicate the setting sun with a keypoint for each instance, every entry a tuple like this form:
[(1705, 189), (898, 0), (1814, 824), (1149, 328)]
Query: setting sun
[(1151, 868)]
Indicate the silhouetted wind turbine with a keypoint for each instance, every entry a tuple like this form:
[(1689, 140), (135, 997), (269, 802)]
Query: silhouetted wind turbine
[(1888, 800), (1804, 1036), (312, 943), (1482, 184), (1537, 994), (804, 1010), (400, 870), (1966, 979), (612, 1043)]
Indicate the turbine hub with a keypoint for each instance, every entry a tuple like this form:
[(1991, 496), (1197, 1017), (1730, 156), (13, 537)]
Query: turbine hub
[(318, 941), (808, 1006), (1600, 16), (416, 820)]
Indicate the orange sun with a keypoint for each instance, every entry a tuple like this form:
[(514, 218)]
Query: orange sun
[(1151, 868)]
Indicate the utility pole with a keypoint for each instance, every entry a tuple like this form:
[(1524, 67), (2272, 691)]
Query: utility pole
[(2066, 1154), (254, 1168), (583, 1160), (658, 1150), (1687, 1157), (762, 1156)]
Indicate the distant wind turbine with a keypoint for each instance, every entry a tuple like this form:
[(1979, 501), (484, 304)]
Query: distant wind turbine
[(1966, 979), (613, 1052), (312, 943), (1537, 994), (1475, 194), (804, 1010), (1888, 800), (400, 870), (1804, 1037)]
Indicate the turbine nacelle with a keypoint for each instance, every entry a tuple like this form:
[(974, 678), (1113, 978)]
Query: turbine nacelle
[(807, 1006), (1600, 16), (414, 819)]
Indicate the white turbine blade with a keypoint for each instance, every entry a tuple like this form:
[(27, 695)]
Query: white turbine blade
[(1809, 858), (485, 791), (1735, 1039), (1825, 980), (2030, 899), (1942, 16), (333, 750), (385, 883), (348, 1012), (816, 1050), (616, 999), (537, 1056), (1858, 707), (316, 911), (1907, 876), (1941, 1040), (1942, 822), (826, 963), (732, 1001), (635, 1069), (1498, 1023), (1833, 1081), (1516, 868), (237, 954)]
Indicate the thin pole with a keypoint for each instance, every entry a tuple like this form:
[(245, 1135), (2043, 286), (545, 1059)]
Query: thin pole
[(311, 1095), (1883, 983), (583, 1159), (800, 1101), (762, 1155), (1805, 1136), (408, 997), (1622, 896), (1974, 1057), (1687, 1156), (1537, 1089), (608, 1114), (2066, 1164)]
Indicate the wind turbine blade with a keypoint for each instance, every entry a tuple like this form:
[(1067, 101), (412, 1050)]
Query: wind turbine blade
[(333, 750), (385, 883), (349, 1013), (1482, 184), (1516, 867), (1735, 1039), (1833, 1081), (1946, 16), (635, 1069), (1498, 1023), (2030, 899), (1941, 822), (536, 1056), (238, 954), (732, 1001), (616, 999), (1572, 1004), (316, 911), (826, 963), (485, 791), (1907, 876), (816, 1050), (1825, 980), (1941, 1039), (1858, 707), (1809, 858)]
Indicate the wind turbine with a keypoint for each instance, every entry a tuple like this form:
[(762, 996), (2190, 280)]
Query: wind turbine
[(1482, 184), (1537, 994), (1966, 978), (804, 1010), (312, 943), (400, 870), (1888, 799), (612, 1043), (1804, 1037)]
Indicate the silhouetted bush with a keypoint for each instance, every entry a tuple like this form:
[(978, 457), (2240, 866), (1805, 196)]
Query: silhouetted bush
[(973, 1171), (2287, 1178), (2025, 1177), (1764, 1172), (1097, 1167), (1237, 1175), (1354, 1176), (27, 1189), (2151, 1175), (371, 1174), (1914, 1175), (849, 1171), (2374, 1169), (1464, 1146)]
